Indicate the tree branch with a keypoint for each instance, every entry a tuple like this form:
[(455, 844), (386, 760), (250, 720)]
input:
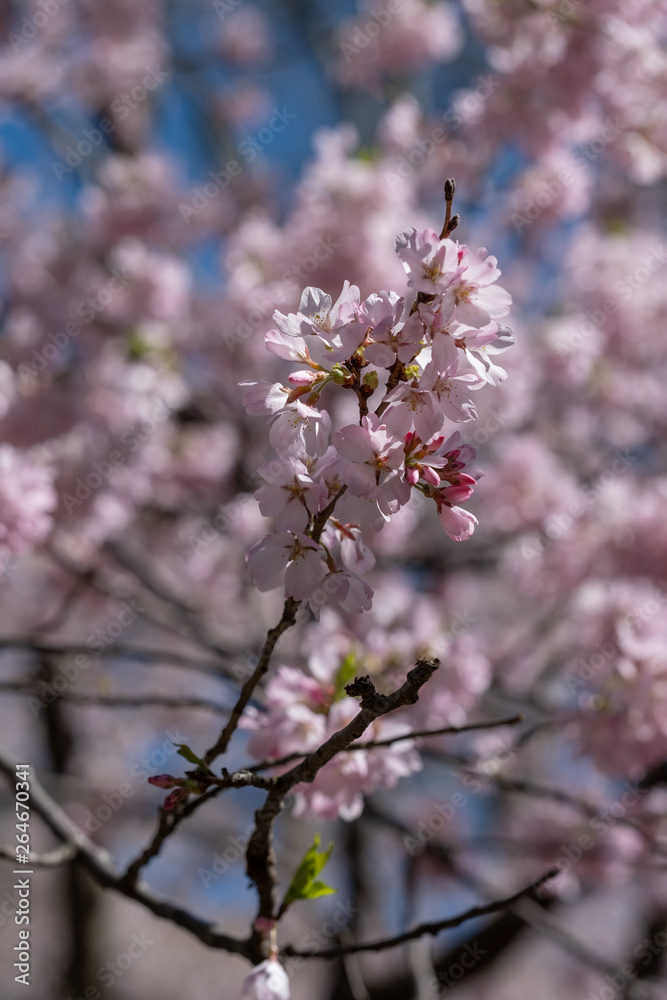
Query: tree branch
[(99, 865), (169, 657), (373, 705), (287, 620), (429, 928), (19, 686), (260, 858), (60, 856)]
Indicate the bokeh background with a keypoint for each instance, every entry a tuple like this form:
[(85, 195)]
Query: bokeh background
[(171, 173)]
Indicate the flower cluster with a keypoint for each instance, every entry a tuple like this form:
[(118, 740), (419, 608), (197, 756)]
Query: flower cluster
[(304, 710), (267, 981), (413, 363), (27, 499)]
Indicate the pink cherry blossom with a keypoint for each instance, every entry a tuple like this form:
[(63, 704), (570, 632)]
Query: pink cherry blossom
[(390, 332), (462, 277), (413, 407), (355, 554), (471, 295), (374, 460), (344, 590), (458, 523), (407, 38), (330, 331), (430, 262), (291, 496), (264, 397), (439, 460), (299, 424), (27, 499), (476, 344), (292, 557), (267, 981)]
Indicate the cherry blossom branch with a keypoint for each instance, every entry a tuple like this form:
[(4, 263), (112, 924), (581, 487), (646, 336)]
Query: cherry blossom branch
[(167, 823), (451, 221), (396, 371), (373, 705), (431, 928), (99, 865), (320, 520), (288, 619), (260, 857), (511, 720), (168, 820)]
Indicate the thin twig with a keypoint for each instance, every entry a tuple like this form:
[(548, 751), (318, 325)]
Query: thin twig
[(188, 615), (99, 864), (20, 686), (287, 620), (97, 582), (511, 720), (169, 657), (429, 928)]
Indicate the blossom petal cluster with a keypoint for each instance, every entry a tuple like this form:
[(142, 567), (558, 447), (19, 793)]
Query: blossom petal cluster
[(303, 711), (267, 981), (414, 364), (27, 499)]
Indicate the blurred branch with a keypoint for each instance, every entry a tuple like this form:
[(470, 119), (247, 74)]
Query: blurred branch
[(189, 617), (546, 924), (529, 911), (427, 928), (99, 865), (60, 856), (119, 593), (169, 657), (555, 794), (120, 701)]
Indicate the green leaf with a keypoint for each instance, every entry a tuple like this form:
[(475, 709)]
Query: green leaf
[(304, 884), (185, 751), (346, 673), (320, 889)]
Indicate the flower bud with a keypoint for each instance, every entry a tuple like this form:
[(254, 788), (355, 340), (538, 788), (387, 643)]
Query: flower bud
[(267, 981), (163, 781)]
